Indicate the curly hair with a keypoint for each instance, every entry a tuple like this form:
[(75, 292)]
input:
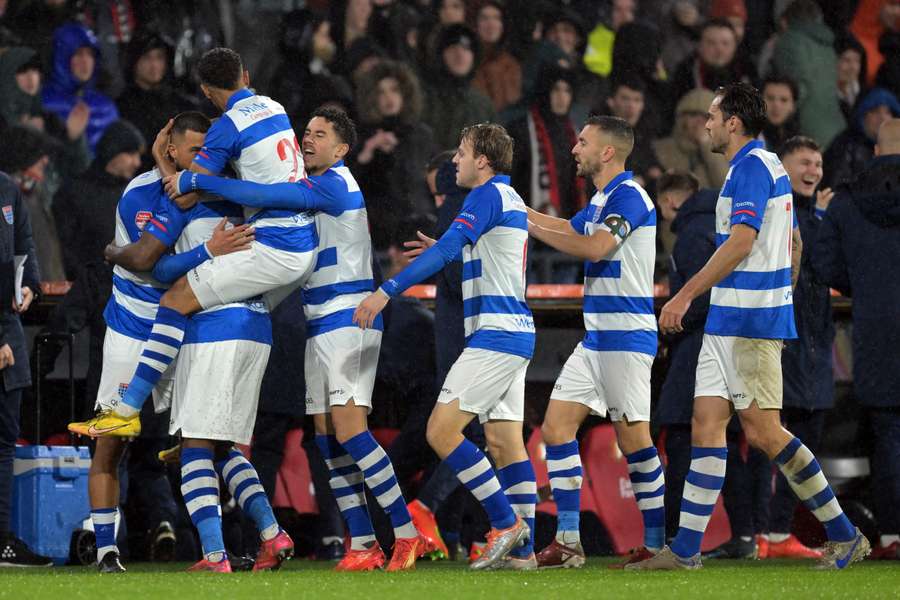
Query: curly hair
[(367, 97)]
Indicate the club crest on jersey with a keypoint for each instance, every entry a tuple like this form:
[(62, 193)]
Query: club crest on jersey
[(141, 218), (8, 214)]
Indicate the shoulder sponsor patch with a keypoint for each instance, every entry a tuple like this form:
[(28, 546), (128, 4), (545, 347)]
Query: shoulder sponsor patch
[(141, 218), (8, 214)]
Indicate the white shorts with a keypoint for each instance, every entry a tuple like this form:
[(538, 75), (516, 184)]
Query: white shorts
[(217, 390), (340, 365), (740, 370), (487, 383), (120, 359), (243, 275), (613, 383)]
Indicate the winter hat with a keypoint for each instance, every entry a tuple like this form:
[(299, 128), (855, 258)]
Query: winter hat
[(119, 137), (457, 35), (724, 9)]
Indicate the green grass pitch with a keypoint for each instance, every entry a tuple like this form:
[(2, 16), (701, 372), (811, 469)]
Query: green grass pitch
[(769, 580)]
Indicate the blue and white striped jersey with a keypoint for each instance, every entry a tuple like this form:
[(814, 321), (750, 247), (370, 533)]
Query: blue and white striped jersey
[(494, 220), (756, 299), (255, 136), (135, 297), (618, 290), (184, 230)]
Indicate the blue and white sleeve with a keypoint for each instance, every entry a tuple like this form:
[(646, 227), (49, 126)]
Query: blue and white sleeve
[(305, 194), (624, 212), (752, 185), (171, 267), (219, 146)]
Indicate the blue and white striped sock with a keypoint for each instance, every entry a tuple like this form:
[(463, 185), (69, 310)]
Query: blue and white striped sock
[(520, 487), (802, 471), (564, 470), (200, 489), (474, 471), (701, 490), (104, 520), (243, 484), (649, 485), (378, 471), (349, 491), (158, 352)]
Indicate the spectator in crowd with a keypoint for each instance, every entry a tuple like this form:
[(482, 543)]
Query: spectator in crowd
[(394, 26), (627, 101), (852, 149), (637, 55), (733, 11), (563, 33), (680, 32), (851, 70), (350, 22), (499, 74), (869, 23), (888, 75), (72, 80), (35, 22), (805, 52), (857, 248), (687, 149), (598, 55), (780, 93), (692, 214), (26, 162), (543, 169), (677, 188), (388, 164), (451, 101), (714, 64), (361, 57), (85, 208), (150, 99)]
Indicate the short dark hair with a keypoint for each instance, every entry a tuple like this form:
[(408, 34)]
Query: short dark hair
[(343, 125), (743, 101), (191, 120), (798, 142), (684, 181), (632, 82), (618, 129), (221, 68), (802, 11), (493, 142), (777, 79)]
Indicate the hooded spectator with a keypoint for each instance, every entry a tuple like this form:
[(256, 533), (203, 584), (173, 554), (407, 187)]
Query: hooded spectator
[(687, 149), (680, 32), (150, 99), (805, 52), (780, 94), (637, 55), (853, 149), (350, 22), (20, 81), (388, 160), (85, 208), (543, 170), (499, 74), (72, 80), (563, 34), (851, 72), (451, 102)]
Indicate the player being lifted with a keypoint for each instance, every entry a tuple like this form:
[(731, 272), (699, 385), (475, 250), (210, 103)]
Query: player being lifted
[(750, 314), (488, 380), (129, 317), (341, 359), (255, 136), (609, 371)]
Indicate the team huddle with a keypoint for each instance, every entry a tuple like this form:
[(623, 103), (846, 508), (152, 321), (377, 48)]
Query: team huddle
[(201, 259)]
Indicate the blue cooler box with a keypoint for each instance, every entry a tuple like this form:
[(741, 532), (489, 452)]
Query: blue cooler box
[(50, 497)]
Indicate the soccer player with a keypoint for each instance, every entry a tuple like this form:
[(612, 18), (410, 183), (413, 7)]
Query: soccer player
[(129, 316), (739, 369), (488, 379), (341, 359), (255, 136), (609, 371)]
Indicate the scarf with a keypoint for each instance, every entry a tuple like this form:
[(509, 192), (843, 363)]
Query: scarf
[(544, 190)]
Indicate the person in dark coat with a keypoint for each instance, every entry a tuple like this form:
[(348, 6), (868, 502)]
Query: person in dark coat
[(857, 248), (15, 240), (851, 150), (695, 229)]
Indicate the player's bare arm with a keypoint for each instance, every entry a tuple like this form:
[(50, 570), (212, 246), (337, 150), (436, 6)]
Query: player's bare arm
[(796, 255), (548, 222), (138, 256), (589, 247), (729, 255)]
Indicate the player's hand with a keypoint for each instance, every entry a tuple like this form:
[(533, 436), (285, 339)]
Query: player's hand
[(178, 184), (160, 149), (672, 313), (27, 297), (823, 198), (232, 239), (6, 356), (418, 246), (368, 309)]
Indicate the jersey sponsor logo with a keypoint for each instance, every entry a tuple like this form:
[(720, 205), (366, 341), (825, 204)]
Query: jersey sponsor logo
[(255, 110), (8, 214), (141, 218)]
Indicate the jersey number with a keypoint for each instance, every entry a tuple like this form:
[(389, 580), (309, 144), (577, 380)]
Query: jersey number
[(290, 150)]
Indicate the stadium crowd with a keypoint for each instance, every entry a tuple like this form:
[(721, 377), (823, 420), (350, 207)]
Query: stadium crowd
[(86, 86)]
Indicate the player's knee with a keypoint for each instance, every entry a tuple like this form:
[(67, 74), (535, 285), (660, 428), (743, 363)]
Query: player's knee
[(439, 436), (555, 433)]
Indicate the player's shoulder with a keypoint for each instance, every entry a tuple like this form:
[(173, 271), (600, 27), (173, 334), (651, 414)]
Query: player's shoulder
[(142, 182), (340, 177), (633, 192), (760, 162)]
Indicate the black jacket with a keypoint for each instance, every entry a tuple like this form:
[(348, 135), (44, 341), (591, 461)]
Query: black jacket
[(695, 226), (806, 361), (15, 239), (858, 253)]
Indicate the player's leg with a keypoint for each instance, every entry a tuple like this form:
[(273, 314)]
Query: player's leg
[(103, 489), (200, 489), (561, 423)]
